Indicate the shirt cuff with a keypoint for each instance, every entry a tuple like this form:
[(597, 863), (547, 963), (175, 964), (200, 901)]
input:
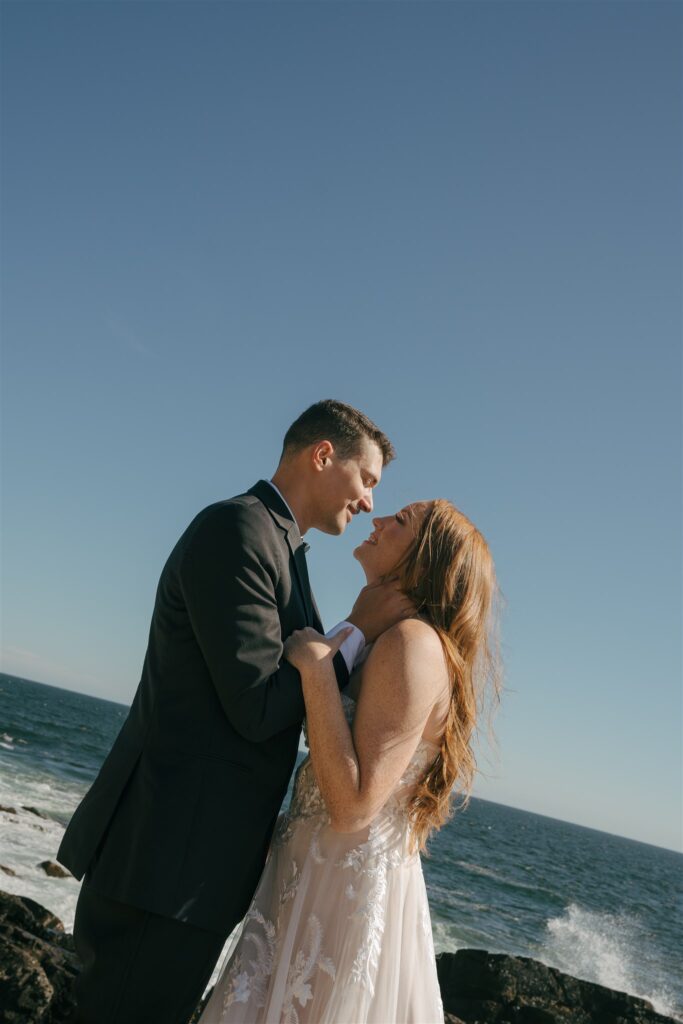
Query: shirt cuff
[(352, 646)]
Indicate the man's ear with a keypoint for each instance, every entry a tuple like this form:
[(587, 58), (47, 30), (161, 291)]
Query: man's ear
[(322, 453)]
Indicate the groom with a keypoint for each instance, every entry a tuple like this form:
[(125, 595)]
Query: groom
[(171, 838)]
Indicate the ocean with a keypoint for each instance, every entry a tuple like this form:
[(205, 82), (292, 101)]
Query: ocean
[(596, 905)]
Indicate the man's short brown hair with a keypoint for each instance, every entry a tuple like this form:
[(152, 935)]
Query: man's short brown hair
[(341, 424)]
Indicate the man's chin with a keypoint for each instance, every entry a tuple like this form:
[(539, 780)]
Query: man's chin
[(341, 524), (334, 529)]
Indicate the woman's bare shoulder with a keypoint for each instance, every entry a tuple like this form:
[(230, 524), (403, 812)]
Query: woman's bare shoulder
[(413, 645), (411, 633)]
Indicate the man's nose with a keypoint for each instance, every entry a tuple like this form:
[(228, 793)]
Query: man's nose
[(365, 502)]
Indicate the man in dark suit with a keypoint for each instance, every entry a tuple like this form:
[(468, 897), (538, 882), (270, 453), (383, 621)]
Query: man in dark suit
[(173, 834)]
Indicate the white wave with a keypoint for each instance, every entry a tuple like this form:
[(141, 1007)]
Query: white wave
[(56, 797), (7, 746), (25, 841), (5, 736), (445, 940), (606, 949), (479, 869), (496, 876)]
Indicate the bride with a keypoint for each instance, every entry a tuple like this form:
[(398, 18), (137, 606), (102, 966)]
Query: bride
[(338, 931)]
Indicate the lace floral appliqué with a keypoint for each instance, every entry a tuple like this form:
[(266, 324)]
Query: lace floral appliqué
[(242, 986), (305, 963)]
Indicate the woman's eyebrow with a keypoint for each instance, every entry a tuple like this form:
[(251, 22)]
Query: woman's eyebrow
[(412, 513)]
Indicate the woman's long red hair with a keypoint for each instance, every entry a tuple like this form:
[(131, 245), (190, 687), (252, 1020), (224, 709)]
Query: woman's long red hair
[(449, 575)]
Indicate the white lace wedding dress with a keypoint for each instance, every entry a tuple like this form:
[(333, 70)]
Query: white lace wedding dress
[(338, 931)]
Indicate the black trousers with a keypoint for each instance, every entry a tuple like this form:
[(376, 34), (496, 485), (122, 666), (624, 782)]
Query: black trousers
[(138, 967)]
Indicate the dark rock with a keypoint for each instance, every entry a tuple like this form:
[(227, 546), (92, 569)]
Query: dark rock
[(8, 810), (54, 870), (494, 988), (480, 1010), (22, 912), (8, 871), (539, 1015), (37, 964), (34, 810)]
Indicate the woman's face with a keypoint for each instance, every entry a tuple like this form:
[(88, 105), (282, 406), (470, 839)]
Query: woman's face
[(391, 538)]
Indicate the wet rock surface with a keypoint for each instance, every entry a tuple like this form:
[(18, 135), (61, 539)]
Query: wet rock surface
[(54, 870), (34, 810), (38, 964), (494, 988)]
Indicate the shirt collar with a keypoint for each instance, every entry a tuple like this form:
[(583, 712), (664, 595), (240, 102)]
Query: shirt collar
[(278, 491)]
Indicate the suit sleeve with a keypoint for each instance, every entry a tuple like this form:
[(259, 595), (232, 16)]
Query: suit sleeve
[(228, 574)]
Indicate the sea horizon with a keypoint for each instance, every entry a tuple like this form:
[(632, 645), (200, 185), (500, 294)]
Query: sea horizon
[(497, 803)]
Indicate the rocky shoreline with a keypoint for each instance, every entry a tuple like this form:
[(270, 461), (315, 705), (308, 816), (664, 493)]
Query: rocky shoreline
[(38, 965)]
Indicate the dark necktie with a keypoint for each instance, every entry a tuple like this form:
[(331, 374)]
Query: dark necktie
[(300, 559)]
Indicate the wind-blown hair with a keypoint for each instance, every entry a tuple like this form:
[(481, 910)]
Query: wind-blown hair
[(449, 575)]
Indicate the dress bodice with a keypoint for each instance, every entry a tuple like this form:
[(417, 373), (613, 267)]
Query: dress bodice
[(307, 800)]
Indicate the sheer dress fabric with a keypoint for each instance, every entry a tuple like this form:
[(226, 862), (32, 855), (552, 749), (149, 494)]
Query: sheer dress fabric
[(338, 931)]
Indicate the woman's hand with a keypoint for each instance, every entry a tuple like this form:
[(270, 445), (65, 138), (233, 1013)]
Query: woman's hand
[(306, 648)]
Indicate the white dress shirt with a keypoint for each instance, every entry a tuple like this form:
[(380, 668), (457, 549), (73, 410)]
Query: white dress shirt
[(352, 647)]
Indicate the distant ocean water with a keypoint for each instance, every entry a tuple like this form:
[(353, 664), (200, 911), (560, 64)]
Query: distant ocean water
[(592, 904)]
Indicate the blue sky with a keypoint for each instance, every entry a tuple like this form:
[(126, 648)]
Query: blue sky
[(463, 218)]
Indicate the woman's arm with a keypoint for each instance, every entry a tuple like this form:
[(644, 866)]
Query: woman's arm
[(357, 770)]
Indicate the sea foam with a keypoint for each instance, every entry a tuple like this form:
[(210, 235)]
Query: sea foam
[(613, 950)]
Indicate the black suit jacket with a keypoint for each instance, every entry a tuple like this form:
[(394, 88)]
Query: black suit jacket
[(180, 816)]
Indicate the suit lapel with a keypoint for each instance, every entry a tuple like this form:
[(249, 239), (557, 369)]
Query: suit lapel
[(283, 517)]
